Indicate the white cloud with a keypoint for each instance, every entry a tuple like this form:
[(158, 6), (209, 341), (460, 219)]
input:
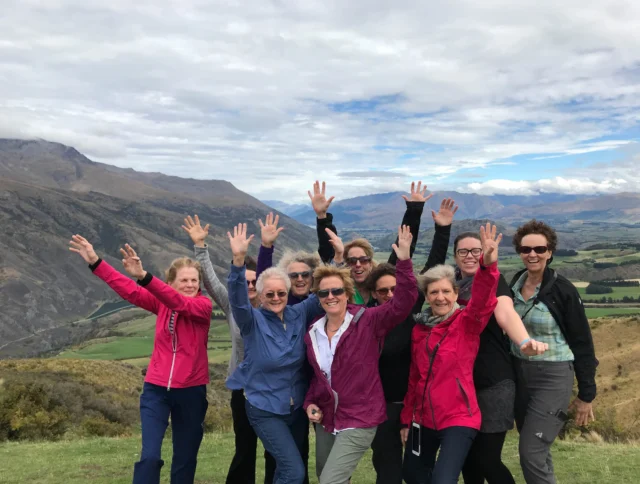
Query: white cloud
[(241, 91), (558, 184)]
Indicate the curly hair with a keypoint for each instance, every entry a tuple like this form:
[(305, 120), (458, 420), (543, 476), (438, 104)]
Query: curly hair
[(332, 271), (536, 227), (435, 274), (376, 273), (289, 257), (172, 272)]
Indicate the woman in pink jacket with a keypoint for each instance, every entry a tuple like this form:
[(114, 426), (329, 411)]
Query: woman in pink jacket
[(440, 409), (176, 379)]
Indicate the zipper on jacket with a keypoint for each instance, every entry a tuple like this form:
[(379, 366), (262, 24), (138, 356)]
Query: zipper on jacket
[(464, 396), (174, 346)]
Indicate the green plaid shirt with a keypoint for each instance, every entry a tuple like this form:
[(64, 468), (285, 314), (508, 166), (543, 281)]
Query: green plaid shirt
[(541, 326)]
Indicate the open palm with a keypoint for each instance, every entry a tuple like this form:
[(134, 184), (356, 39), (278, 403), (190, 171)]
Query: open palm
[(448, 209), (239, 241), (490, 243), (269, 230), (319, 200), (195, 230), (403, 249)]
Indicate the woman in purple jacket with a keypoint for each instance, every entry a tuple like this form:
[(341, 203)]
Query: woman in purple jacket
[(345, 400)]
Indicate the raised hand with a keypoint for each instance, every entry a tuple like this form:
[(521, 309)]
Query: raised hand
[(403, 249), (337, 244), (418, 193), (197, 233), (489, 243), (80, 245), (132, 263), (448, 209), (319, 201), (533, 348), (239, 243), (269, 229)]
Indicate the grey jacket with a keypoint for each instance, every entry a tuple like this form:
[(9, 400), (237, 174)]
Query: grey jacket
[(218, 291)]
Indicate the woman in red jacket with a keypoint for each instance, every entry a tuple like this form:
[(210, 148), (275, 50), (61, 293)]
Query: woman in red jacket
[(176, 379), (440, 408)]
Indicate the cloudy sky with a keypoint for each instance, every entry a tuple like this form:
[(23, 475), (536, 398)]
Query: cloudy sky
[(498, 96)]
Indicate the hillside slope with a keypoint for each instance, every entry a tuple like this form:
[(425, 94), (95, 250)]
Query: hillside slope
[(49, 192)]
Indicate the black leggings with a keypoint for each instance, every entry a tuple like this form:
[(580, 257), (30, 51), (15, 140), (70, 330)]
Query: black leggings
[(484, 461)]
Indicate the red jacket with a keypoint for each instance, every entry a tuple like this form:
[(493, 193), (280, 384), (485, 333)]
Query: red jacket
[(188, 365), (441, 391), (355, 398)]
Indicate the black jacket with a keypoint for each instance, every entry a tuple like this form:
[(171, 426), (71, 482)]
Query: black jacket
[(565, 305), (395, 357)]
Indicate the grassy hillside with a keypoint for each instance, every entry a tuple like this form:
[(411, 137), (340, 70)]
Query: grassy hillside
[(110, 461)]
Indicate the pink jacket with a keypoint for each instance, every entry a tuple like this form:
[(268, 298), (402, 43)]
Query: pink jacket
[(179, 360), (441, 392)]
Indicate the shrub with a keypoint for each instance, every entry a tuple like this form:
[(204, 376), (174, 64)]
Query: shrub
[(598, 289)]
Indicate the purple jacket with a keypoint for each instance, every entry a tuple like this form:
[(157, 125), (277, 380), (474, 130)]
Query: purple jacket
[(355, 398)]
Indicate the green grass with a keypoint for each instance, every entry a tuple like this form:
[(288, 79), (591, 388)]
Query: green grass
[(618, 293), (110, 461), (603, 312), (116, 348)]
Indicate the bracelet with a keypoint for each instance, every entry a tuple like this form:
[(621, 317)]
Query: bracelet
[(526, 340)]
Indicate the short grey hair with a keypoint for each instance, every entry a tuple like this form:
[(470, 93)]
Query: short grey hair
[(272, 273), (289, 257), (435, 274)]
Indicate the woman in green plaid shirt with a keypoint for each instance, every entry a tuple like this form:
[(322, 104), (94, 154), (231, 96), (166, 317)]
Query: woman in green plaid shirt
[(552, 312)]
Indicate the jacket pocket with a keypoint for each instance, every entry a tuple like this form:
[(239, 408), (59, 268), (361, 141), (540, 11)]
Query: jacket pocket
[(465, 397)]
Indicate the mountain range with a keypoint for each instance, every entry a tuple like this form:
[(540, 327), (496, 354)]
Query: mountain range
[(49, 191)]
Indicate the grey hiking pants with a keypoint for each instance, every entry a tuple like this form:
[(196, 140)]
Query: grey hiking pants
[(337, 456), (542, 399)]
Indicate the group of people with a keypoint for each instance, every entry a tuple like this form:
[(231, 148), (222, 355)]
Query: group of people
[(336, 340)]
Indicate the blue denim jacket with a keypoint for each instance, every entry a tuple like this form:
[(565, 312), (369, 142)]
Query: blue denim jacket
[(272, 372)]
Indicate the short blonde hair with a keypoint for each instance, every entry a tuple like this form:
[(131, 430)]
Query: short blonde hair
[(172, 272), (332, 271), (289, 257), (272, 273), (361, 243), (435, 274)]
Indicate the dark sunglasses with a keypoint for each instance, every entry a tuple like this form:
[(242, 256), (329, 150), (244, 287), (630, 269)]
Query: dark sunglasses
[(352, 261), (465, 252), (539, 249), (383, 291), (251, 283), (295, 275), (336, 291), (271, 295)]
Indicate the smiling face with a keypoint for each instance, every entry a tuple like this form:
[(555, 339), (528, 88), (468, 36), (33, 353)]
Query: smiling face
[(385, 287), (468, 263), (333, 305), (533, 261), (301, 283), (251, 284), (187, 281), (359, 270), (274, 295), (441, 297)]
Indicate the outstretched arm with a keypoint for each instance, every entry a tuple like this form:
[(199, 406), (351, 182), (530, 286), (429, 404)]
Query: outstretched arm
[(212, 284), (122, 285), (413, 213), (440, 244), (237, 281), (324, 220)]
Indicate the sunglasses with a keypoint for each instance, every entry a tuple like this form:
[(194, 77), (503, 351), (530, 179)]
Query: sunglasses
[(539, 249), (251, 283), (383, 291), (280, 294), (352, 261), (295, 275), (465, 252), (336, 291)]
